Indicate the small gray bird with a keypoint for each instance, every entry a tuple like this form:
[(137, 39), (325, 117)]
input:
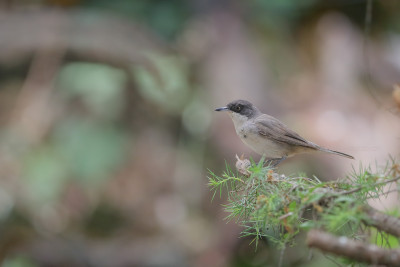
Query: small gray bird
[(268, 136)]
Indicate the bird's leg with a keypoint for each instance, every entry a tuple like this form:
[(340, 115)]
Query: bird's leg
[(277, 161)]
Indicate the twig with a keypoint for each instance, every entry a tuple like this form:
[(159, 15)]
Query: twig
[(362, 187), (281, 256), (343, 246), (284, 216), (381, 221)]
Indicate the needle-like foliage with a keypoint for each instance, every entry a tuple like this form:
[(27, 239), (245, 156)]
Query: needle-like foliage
[(277, 207)]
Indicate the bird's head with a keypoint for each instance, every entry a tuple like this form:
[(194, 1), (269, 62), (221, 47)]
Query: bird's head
[(240, 111), (240, 108)]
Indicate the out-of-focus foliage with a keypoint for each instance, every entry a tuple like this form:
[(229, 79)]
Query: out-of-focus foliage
[(107, 125), (165, 83), (18, 262), (166, 17), (97, 85)]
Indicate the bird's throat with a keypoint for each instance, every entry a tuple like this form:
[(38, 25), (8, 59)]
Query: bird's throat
[(238, 119)]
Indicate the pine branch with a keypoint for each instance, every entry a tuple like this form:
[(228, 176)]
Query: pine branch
[(262, 199), (355, 190), (381, 221), (356, 250)]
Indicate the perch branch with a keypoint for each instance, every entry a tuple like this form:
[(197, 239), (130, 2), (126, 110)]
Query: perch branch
[(381, 221), (346, 247)]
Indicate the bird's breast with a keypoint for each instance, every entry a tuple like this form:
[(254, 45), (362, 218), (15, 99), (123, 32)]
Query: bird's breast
[(261, 144)]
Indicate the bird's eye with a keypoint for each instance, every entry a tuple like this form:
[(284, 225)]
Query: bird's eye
[(238, 108)]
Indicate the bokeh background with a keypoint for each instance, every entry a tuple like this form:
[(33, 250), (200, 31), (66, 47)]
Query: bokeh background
[(107, 127)]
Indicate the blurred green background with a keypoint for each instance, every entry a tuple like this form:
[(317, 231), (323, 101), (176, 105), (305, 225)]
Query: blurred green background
[(107, 126)]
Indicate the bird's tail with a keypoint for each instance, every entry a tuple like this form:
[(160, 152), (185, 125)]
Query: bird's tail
[(335, 152)]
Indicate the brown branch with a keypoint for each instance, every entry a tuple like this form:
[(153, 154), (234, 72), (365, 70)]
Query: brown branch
[(359, 251), (381, 221)]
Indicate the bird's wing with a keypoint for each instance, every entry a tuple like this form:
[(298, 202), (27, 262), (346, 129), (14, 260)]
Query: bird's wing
[(274, 129)]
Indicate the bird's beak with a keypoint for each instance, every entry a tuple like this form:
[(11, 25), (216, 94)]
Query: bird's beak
[(221, 109)]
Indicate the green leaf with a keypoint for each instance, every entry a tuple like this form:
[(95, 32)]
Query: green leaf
[(307, 225), (292, 206), (97, 85), (91, 151), (164, 81)]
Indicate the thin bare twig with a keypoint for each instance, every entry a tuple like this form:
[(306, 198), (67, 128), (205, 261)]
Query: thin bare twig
[(362, 187), (285, 216), (281, 256)]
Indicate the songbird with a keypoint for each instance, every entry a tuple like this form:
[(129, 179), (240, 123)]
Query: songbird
[(267, 135)]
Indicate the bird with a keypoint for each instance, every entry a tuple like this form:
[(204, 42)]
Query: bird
[(268, 136)]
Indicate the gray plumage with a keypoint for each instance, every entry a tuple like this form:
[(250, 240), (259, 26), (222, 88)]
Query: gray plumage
[(268, 136)]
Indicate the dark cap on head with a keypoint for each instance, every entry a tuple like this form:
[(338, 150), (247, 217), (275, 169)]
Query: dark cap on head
[(241, 107)]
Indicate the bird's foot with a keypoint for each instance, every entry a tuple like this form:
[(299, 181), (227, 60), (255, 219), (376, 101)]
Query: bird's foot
[(274, 162)]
